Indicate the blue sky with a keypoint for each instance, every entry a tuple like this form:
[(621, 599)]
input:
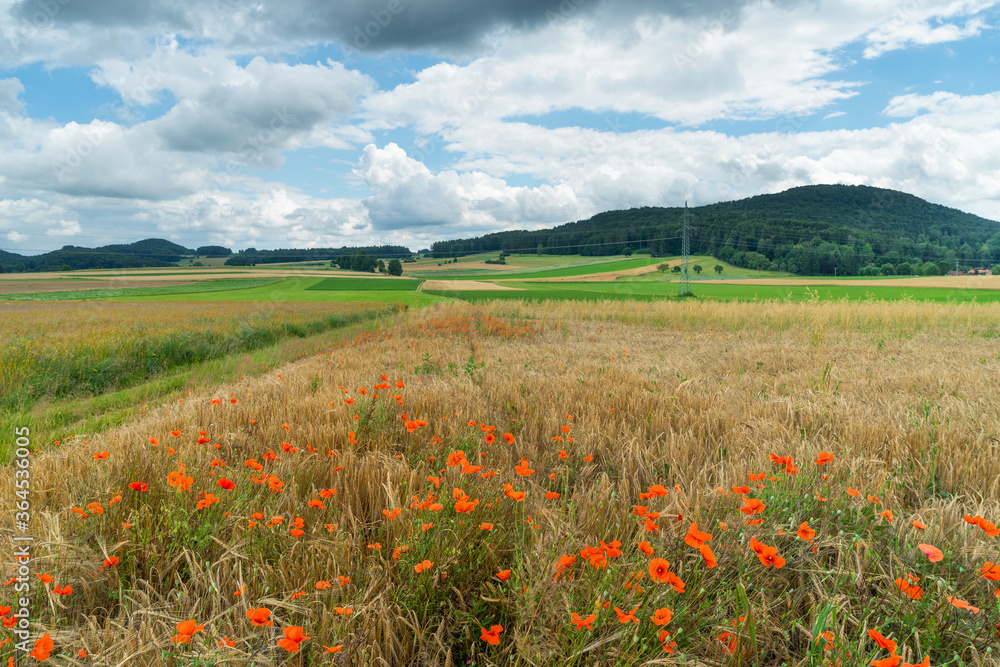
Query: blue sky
[(268, 126)]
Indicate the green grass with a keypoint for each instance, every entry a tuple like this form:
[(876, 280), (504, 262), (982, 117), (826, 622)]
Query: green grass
[(130, 356), (478, 257), (365, 284), (620, 290), (531, 261), (560, 266), (210, 286), (295, 289), (707, 263), (577, 268), (528, 261), (194, 271), (587, 269)]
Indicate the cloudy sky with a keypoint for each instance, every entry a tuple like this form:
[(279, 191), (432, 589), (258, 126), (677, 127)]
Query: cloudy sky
[(297, 123)]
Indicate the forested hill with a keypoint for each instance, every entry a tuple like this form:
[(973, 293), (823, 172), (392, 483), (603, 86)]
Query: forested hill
[(814, 229), (160, 252), (148, 252), (161, 249)]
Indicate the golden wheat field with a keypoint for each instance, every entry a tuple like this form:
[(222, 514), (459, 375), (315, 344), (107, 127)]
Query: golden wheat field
[(684, 483)]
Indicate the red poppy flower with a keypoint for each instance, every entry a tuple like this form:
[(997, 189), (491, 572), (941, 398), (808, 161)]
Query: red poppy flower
[(658, 569), (43, 648), (990, 571), (492, 636), (661, 616), (293, 637), (933, 553), (260, 617), (627, 617), (805, 532)]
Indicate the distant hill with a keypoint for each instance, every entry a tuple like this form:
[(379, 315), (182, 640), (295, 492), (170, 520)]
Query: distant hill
[(149, 252), (213, 251), (814, 229), (76, 259), (160, 249)]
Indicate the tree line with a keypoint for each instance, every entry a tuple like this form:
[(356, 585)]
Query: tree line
[(251, 256), (360, 260)]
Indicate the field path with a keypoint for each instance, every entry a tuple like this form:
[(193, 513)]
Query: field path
[(464, 286)]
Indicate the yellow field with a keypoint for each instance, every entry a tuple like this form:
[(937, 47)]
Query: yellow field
[(630, 429)]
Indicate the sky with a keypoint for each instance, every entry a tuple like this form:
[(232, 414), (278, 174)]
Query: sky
[(306, 123)]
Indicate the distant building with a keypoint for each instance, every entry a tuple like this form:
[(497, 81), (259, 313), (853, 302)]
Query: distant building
[(980, 272)]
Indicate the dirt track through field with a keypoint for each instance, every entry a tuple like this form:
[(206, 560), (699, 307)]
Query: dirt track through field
[(464, 286)]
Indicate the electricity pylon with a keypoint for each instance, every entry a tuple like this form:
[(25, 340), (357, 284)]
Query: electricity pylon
[(685, 287)]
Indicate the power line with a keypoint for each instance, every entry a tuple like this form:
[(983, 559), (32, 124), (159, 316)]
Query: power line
[(684, 289)]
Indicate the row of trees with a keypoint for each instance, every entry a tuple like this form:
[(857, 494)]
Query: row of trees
[(362, 261), (697, 268), (75, 260), (281, 255), (907, 269)]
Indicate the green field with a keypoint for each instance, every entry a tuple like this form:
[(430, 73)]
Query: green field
[(297, 289), (569, 265), (586, 269), (206, 286), (365, 284), (707, 264), (83, 364), (621, 290)]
